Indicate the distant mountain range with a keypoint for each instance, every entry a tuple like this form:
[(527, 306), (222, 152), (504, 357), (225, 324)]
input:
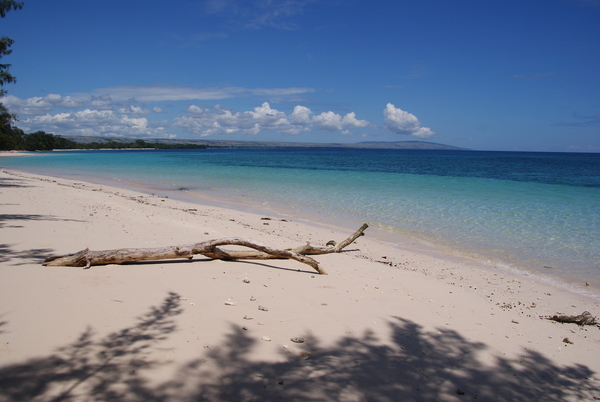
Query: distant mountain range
[(273, 144)]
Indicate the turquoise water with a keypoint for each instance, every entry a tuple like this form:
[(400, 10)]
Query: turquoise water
[(534, 211)]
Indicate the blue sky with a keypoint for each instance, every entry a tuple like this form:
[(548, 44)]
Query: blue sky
[(482, 74)]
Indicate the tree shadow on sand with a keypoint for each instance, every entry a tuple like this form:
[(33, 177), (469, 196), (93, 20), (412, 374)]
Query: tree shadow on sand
[(94, 370), (416, 366), (10, 182), (413, 365), (32, 256), (10, 218), (35, 256)]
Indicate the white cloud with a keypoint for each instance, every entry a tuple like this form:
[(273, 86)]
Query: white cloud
[(42, 104), (423, 132), (351, 120), (278, 92), (328, 121), (134, 110), (401, 122), (94, 122), (128, 95), (101, 101), (332, 121), (254, 130), (219, 120), (168, 93), (300, 115), (158, 93), (121, 113)]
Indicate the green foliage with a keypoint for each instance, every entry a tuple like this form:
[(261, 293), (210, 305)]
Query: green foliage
[(40, 141), (13, 139), (7, 5), (137, 144), (6, 43), (10, 137)]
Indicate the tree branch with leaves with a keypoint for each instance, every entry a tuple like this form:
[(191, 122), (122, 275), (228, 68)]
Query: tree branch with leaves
[(6, 43), (10, 137)]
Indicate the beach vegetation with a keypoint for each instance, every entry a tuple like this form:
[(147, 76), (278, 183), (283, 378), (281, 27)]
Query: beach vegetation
[(137, 144), (14, 139), (40, 141), (6, 43), (10, 137)]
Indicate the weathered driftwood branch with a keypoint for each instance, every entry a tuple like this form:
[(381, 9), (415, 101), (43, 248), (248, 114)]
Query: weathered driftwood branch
[(210, 248)]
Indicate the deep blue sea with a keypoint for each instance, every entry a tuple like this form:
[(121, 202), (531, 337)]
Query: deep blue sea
[(538, 212)]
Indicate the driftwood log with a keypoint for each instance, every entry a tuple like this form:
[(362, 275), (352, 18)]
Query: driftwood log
[(210, 248)]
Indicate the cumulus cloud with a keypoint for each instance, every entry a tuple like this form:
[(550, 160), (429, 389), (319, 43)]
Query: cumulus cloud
[(124, 96), (130, 111), (351, 120), (401, 122), (328, 121), (300, 115), (94, 122), (219, 120), (332, 121), (42, 104), (134, 110)]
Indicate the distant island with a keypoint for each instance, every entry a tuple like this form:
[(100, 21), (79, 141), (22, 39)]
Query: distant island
[(185, 143), (16, 140)]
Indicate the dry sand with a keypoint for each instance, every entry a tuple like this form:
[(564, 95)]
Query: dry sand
[(386, 324)]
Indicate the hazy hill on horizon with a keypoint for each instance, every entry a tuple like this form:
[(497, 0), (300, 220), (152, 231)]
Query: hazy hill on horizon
[(271, 144)]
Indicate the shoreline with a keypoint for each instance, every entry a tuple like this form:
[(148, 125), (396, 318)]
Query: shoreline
[(379, 317), (13, 153), (471, 238), (406, 242)]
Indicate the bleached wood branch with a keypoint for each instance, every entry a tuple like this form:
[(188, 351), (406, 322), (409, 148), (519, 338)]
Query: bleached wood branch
[(210, 248)]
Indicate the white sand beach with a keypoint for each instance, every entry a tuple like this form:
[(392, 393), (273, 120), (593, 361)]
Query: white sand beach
[(386, 324)]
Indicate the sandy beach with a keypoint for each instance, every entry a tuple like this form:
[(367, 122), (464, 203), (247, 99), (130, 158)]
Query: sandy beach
[(386, 324)]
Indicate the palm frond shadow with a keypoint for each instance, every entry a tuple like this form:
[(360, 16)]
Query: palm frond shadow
[(95, 370), (412, 365), (33, 256), (416, 366), (10, 182), (4, 218)]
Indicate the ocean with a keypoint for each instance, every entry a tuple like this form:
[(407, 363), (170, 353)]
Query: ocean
[(532, 212)]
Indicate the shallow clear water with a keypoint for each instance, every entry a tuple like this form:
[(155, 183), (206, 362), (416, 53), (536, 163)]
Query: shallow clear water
[(537, 211)]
